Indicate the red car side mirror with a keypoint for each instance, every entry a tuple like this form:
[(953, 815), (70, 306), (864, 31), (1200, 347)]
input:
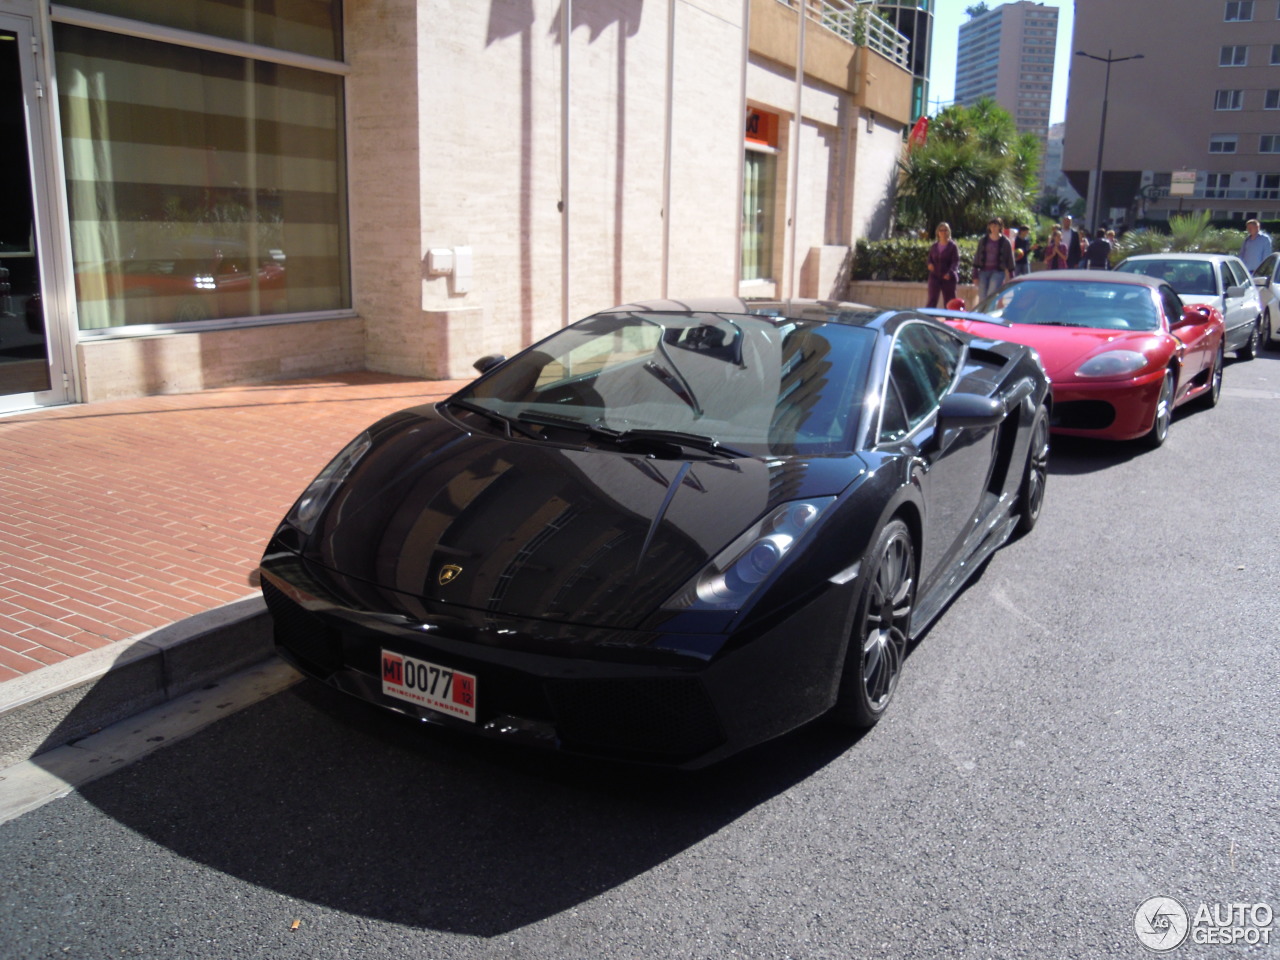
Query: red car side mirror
[(1197, 313)]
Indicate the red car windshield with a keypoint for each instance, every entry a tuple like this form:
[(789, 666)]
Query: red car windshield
[(1075, 303)]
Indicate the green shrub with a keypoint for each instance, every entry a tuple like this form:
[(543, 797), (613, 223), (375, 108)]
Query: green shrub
[(905, 259)]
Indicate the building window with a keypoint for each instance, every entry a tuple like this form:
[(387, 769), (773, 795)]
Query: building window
[(201, 185), (1275, 54), (1269, 143), (1228, 100), (1239, 10), (1223, 143), (757, 215), (1272, 101), (1267, 187), (1216, 185), (1233, 56)]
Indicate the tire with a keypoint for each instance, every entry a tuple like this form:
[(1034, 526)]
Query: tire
[(881, 630), (1210, 399), (1159, 431), (1252, 346), (1034, 475), (1264, 341)]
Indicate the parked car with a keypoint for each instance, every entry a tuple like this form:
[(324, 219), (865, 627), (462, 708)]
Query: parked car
[(668, 531), (1122, 349), (1217, 280), (1265, 279)]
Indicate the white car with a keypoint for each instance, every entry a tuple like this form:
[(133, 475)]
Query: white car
[(1265, 279), (1214, 279)]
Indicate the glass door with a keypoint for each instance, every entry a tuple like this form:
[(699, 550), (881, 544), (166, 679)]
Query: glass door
[(31, 351)]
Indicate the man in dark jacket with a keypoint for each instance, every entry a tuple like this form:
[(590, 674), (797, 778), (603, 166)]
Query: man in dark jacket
[(1074, 241), (1098, 256)]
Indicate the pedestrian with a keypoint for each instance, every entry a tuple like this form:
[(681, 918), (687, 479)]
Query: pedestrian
[(1055, 251), (1073, 241), (1098, 256), (1022, 251), (944, 267), (993, 261), (1256, 246)]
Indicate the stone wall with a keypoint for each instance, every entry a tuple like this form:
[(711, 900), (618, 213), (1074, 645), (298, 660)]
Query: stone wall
[(886, 293)]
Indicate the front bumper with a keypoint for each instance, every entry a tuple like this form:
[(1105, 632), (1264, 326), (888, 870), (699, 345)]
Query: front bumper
[(647, 697), (1106, 409)]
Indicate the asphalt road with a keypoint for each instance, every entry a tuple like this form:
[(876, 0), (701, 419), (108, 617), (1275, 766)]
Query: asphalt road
[(1094, 722)]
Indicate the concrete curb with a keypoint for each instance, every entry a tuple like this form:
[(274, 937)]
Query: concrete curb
[(65, 701)]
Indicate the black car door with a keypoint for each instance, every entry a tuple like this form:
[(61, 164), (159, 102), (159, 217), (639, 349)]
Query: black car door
[(952, 464)]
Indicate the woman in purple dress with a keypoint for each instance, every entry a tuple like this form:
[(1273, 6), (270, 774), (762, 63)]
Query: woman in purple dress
[(944, 267)]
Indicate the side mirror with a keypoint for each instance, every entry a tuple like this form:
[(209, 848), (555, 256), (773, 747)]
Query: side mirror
[(487, 363), (1193, 314), (1262, 281), (969, 410), (1237, 292)]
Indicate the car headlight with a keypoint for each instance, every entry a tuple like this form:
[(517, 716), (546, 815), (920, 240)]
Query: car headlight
[(1113, 363), (729, 579), (316, 497)]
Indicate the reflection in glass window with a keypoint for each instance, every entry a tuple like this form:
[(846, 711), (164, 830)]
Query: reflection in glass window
[(312, 27), (201, 186)]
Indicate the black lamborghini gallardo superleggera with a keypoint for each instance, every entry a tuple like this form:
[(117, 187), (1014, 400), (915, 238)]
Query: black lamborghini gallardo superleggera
[(668, 531)]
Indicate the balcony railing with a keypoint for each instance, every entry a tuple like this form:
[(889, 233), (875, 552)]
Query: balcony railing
[(856, 21)]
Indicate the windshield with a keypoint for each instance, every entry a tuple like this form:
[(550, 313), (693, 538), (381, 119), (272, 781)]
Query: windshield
[(1193, 278), (757, 384), (1108, 306)]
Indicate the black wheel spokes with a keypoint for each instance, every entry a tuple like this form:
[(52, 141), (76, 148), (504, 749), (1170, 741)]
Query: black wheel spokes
[(1039, 467), (888, 620)]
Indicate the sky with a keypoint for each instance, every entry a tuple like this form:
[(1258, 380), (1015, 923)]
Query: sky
[(947, 17)]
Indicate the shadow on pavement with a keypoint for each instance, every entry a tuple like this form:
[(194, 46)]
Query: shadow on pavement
[(326, 800)]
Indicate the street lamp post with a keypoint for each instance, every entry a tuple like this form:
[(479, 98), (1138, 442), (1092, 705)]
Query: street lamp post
[(1102, 130)]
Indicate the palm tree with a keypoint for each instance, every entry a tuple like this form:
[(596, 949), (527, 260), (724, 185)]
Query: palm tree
[(975, 165)]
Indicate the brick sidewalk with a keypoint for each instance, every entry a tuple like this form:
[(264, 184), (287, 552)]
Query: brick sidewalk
[(123, 516)]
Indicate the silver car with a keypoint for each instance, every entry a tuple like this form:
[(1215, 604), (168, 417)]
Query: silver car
[(1214, 279)]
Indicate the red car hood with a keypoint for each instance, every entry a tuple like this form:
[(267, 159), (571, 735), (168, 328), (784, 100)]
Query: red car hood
[(1063, 349)]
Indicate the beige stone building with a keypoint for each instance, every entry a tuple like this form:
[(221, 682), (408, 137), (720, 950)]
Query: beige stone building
[(1202, 103), (228, 191)]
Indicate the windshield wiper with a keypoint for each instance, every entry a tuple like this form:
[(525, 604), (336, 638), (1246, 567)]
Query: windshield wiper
[(506, 422), (694, 441)]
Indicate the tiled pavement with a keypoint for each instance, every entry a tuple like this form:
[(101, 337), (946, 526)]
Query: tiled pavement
[(120, 517)]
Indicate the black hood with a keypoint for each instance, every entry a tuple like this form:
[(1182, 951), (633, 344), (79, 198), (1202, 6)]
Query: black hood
[(524, 528)]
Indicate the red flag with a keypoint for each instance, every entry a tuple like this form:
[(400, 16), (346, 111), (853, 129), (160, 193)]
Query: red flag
[(919, 133)]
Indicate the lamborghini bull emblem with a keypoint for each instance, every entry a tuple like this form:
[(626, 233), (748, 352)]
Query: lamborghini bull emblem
[(448, 573)]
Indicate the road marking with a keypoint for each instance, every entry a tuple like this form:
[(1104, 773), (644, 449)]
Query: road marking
[(1249, 393), (32, 783)]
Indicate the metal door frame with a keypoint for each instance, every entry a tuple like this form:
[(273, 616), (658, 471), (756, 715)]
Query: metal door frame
[(52, 241)]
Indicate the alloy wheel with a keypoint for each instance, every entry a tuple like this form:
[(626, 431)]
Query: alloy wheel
[(1164, 412), (887, 619)]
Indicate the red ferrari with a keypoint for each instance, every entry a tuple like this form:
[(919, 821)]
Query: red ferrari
[(1121, 350)]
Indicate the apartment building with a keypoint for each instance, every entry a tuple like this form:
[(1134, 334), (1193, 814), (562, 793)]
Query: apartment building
[(1007, 53), (1192, 125), (914, 20), (228, 191)]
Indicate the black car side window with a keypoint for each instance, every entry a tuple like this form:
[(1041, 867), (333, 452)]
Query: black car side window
[(921, 370)]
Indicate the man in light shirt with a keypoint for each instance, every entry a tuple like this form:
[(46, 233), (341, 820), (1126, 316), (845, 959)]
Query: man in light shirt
[(1256, 246)]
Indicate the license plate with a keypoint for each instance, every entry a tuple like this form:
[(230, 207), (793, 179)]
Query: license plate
[(429, 685)]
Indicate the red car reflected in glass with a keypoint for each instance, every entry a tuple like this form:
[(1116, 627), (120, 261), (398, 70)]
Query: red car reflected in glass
[(203, 280)]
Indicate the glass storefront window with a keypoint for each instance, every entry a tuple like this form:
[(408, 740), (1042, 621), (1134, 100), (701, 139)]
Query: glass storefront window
[(201, 186), (757, 216), (312, 27)]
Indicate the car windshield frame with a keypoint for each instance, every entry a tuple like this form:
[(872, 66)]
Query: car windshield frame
[(1089, 304), (748, 383)]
